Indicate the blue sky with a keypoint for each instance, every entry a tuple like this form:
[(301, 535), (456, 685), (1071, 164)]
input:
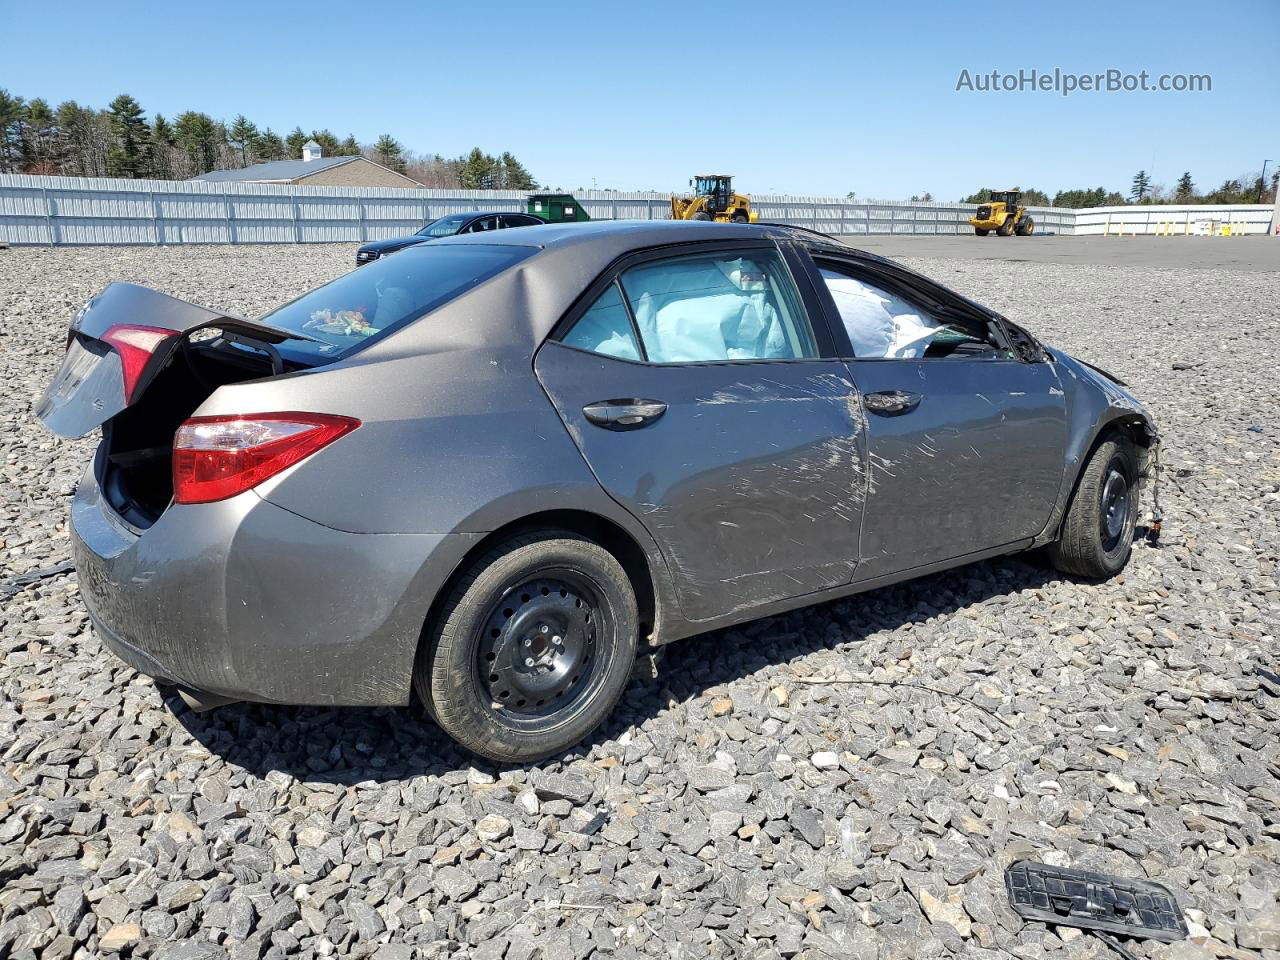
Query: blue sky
[(810, 97)]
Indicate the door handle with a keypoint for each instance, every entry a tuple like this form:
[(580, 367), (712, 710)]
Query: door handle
[(624, 414), (892, 401)]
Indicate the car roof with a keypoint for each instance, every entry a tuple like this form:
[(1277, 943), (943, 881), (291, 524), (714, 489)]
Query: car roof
[(472, 214), (626, 233)]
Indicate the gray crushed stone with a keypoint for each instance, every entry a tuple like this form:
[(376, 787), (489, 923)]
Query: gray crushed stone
[(752, 801)]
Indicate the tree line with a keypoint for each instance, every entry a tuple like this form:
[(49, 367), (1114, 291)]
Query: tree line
[(120, 141), (1249, 188)]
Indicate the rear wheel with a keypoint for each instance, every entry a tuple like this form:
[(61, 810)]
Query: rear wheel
[(1006, 229), (741, 217), (533, 648), (981, 231), (1097, 534)]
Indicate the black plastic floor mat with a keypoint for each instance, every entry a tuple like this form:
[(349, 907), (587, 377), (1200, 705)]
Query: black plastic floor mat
[(1094, 901)]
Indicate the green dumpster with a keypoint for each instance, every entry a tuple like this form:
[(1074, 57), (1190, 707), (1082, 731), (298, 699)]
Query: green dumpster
[(556, 207)]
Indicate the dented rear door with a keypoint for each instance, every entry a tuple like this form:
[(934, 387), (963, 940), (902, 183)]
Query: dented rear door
[(115, 345), (751, 481)]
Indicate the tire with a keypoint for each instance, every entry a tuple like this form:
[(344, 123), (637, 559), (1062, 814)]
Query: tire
[(1097, 533), (1005, 229), (553, 598), (1025, 227), (700, 215), (741, 217), (981, 231)]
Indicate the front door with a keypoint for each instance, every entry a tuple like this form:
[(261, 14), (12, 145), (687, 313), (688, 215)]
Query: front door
[(965, 439), (696, 390)]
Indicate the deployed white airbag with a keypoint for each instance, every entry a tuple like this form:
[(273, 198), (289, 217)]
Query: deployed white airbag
[(878, 323)]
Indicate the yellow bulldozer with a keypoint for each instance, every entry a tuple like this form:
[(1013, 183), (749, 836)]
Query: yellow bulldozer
[(713, 199), (1003, 213)]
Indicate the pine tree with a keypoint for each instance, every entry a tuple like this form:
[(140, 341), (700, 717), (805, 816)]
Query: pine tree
[(40, 146), (267, 145), (329, 145), (388, 152), (295, 141), (478, 170), (349, 147), (12, 112), (161, 130), (241, 136), (1141, 186), (197, 136), (133, 138), (513, 175)]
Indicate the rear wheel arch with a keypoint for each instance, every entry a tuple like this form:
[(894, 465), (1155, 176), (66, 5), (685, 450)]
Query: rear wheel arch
[(590, 526)]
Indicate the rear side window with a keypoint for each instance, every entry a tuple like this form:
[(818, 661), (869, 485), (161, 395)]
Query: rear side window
[(370, 302), (605, 328), (739, 305)]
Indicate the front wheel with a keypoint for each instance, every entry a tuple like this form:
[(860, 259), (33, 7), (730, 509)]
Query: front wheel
[(1097, 533), (981, 231), (1026, 227), (532, 649), (1005, 229), (700, 215), (741, 217)]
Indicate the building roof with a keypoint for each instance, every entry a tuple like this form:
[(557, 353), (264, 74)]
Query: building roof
[(310, 143), (277, 169)]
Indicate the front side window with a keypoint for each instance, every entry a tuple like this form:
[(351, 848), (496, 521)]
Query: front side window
[(740, 305), (882, 325), (483, 224)]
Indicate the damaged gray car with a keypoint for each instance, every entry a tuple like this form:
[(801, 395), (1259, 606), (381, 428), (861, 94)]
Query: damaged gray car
[(493, 469)]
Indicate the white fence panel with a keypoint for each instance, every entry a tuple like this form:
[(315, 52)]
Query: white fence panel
[(79, 210)]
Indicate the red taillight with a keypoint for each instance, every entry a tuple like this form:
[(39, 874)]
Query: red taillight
[(218, 457), (135, 344)]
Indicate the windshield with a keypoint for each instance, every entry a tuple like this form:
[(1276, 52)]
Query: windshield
[(708, 185), (369, 302), (444, 226)]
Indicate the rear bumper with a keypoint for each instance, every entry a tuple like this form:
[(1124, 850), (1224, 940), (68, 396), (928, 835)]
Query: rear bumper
[(249, 601)]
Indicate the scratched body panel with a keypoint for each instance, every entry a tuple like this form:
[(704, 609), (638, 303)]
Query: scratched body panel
[(764, 486), (752, 482), (977, 464)]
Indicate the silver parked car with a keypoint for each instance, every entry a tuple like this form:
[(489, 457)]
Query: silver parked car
[(493, 468)]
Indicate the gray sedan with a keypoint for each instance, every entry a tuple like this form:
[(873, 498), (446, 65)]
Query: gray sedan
[(492, 469)]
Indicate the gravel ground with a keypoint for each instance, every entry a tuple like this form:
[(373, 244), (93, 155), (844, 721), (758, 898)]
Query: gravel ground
[(762, 797)]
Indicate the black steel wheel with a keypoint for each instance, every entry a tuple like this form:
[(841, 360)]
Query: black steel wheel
[(532, 649), (536, 654), (1097, 532)]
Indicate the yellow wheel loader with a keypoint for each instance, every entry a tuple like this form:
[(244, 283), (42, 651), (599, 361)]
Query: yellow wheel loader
[(713, 199), (1003, 213)]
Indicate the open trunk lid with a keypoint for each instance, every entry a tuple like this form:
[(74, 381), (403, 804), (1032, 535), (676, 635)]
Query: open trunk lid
[(115, 346)]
